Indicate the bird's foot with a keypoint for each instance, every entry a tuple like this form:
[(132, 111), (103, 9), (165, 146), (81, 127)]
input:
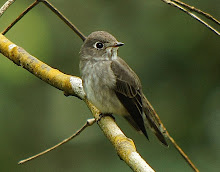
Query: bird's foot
[(105, 114)]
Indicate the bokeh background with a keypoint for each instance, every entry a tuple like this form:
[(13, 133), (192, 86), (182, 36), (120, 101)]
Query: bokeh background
[(176, 58)]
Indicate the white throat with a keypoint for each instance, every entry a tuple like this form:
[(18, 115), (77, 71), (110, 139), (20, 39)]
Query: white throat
[(112, 53)]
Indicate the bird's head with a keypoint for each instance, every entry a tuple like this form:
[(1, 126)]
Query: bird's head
[(100, 45)]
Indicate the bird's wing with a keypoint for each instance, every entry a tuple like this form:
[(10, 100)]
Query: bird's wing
[(128, 91)]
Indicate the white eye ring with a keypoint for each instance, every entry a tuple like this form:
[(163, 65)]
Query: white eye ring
[(98, 45)]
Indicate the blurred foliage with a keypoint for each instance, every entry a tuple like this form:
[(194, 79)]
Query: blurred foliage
[(177, 59)]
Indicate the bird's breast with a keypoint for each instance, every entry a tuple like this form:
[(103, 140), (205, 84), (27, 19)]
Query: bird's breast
[(98, 83)]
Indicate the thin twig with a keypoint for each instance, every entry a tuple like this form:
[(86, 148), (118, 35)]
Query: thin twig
[(182, 153), (88, 123), (207, 15), (51, 7), (192, 15), (166, 134), (6, 6), (62, 17), (20, 16)]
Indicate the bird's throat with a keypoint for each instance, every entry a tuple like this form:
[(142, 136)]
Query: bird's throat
[(112, 53)]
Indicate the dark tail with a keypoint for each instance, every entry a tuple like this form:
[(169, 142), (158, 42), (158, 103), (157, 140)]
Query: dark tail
[(154, 121)]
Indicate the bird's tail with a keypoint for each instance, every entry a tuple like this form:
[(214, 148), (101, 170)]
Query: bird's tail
[(154, 121)]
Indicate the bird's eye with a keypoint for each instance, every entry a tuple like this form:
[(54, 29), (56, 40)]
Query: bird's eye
[(99, 45)]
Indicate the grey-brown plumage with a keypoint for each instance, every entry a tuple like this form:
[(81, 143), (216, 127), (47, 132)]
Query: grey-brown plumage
[(113, 87)]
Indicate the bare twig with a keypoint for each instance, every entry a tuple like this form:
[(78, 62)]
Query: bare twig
[(20, 16), (170, 2), (207, 15), (88, 123), (182, 153), (165, 132), (51, 7), (6, 6), (62, 17)]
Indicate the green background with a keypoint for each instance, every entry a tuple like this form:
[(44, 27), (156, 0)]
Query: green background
[(176, 58)]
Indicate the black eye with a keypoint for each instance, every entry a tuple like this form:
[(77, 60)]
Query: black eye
[(99, 45)]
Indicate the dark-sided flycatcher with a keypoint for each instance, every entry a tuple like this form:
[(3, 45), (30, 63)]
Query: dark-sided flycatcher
[(113, 87)]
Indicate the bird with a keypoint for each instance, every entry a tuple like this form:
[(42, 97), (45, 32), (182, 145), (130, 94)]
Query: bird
[(113, 87)]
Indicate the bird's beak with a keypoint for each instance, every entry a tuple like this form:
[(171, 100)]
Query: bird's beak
[(118, 44), (115, 44)]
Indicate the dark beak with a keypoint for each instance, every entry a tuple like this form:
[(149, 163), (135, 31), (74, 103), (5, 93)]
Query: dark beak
[(118, 44)]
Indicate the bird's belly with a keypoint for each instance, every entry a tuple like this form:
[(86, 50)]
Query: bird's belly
[(99, 91), (104, 99)]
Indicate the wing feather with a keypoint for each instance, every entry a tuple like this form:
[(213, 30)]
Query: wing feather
[(128, 91)]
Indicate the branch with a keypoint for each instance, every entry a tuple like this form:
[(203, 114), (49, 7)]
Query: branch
[(88, 123), (20, 17), (72, 85), (55, 11), (207, 15), (62, 17), (181, 152), (177, 4), (6, 6)]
